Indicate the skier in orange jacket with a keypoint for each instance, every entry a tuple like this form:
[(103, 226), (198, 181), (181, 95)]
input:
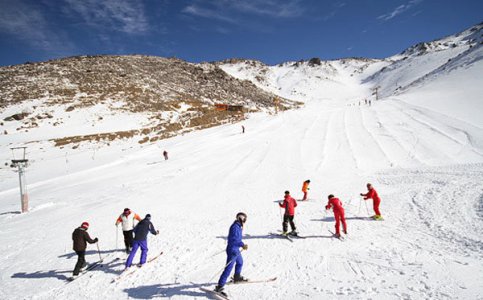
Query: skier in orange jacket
[(128, 220), (339, 214), (305, 189), (372, 194)]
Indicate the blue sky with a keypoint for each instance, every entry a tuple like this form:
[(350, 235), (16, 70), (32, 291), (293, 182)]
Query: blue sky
[(272, 31)]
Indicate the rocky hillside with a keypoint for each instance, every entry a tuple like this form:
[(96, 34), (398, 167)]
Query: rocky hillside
[(171, 94)]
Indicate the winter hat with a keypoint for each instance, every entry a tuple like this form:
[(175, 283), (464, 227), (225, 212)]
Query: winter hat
[(330, 196), (85, 225), (287, 192), (148, 216)]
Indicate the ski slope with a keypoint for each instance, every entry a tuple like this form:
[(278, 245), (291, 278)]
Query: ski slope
[(425, 169), (420, 146)]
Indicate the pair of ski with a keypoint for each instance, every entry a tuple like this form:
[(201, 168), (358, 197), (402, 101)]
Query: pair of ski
[(339, 237), (288, 236), (221, 296), (129, 271), (89, 268)]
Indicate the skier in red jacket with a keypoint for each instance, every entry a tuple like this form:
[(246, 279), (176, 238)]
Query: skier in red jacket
[(289, 204), (339, 214), (372, 194)]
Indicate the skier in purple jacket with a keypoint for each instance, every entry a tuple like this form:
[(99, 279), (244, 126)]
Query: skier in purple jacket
[(141, 240), (233, 253)]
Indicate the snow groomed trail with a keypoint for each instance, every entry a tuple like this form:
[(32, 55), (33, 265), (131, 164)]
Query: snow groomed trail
[(428, 172)]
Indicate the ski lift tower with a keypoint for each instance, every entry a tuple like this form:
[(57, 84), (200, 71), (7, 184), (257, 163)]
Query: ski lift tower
[(21, 164)]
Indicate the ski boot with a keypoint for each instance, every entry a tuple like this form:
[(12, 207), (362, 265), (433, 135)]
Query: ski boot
[(284, 233), (294, 233), (345, 231), (238, 278), (220, 290)]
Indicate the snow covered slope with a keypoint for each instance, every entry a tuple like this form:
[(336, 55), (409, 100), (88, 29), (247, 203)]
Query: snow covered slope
[(426, 164)]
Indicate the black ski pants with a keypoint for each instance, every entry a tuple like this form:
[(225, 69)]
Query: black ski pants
[(81, 261), (128, 238), (286, 220)]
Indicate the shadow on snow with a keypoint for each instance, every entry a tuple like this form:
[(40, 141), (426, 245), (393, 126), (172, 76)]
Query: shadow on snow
[(166, 290), (109, 268)]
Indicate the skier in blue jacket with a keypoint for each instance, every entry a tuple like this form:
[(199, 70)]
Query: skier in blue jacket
[(233, 253), (141, 240)]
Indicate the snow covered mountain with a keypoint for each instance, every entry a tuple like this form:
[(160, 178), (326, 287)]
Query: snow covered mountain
[(103, 98), (418, 70), (420, 144)]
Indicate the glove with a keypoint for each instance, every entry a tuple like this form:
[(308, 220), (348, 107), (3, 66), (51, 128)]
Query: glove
[(361, 194), (327, 207), (157, 232), (245, 247), (96, 240)]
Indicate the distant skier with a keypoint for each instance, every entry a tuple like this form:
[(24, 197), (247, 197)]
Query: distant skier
[(140, 240), (289, 204), (372, 194), (127, 220), (80, 237), (339, 214), (305, 189), (243, 129), (165, 154), (233, 253)]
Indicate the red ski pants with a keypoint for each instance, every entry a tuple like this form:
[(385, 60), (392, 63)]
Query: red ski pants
[(375, 204), (305, 196), (339, 217)]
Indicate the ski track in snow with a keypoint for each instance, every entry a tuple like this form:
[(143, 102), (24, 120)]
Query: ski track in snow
[(193, 198)]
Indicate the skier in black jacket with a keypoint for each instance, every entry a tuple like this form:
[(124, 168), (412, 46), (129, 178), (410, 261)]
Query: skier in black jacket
[(80, 238)]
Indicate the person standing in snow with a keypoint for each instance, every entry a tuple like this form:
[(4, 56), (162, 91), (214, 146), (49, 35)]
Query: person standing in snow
[(305, 189), (80, 238), (233, 253), (165, 154), (141, 240), (243, 129), (372, 194), (289, 204), (339, 214), (127, 220)]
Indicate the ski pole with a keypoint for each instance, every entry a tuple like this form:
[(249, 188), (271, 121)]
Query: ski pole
[(367, 208), (99, 251), (117, 233), (360, 203), (221, 270)]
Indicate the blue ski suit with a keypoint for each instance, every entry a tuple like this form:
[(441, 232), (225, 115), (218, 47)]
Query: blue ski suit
[(140, 241), (233, 253)]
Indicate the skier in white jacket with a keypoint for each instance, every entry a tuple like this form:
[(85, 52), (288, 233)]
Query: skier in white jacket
[(128, 220)]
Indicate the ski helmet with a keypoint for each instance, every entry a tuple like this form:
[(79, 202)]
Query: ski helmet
[(241, 217)]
